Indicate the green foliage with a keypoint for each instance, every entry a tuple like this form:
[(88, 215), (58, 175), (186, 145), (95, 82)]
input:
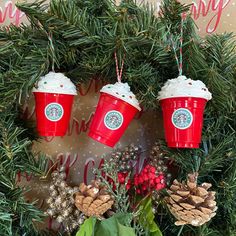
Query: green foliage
[(113, 226), (85, 43), (117, 225), (87, 229), (124, 230), (147, 217), (16, 214), (120, 193)]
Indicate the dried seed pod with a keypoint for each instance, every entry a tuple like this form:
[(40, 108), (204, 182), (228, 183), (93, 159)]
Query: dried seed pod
[(124, 159), (61, 203)]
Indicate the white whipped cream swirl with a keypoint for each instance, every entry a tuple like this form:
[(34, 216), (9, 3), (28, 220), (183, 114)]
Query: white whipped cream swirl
[(55, 83), (184, 87), (121, 91)]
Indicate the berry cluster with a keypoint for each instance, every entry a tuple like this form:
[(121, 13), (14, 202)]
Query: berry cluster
[(152, 178), (122, 178), (147, 180)]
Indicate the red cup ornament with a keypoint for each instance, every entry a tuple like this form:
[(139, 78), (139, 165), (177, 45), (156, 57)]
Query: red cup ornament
[(54, 95), (116, 108), (183, 102)]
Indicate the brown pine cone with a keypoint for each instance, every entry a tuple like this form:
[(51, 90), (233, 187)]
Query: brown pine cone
[(190, 203), (93, 200)]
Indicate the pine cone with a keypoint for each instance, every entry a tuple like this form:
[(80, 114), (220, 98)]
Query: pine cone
[(93, 200), (191, 204)]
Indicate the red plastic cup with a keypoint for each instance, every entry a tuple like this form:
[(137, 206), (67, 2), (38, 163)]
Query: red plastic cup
[(111, 119), (53, 113), (183, 121)]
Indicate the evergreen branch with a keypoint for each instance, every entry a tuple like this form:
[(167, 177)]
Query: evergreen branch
[(115, 188)]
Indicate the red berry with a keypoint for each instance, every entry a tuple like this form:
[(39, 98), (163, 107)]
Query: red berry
[(125, 174), (152, 182), (157, 180), (145, 177), (120, 174), (152, 169), (158, 186), (128, 186), (144, 187), (138, 191), (122, 180), (140, 180), (151, 175)]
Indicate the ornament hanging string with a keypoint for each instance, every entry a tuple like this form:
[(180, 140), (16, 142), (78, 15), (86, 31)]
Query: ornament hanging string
[(51, 46), (183, 16), (52, 49), (119, 72), (179, 60), (174, 49)]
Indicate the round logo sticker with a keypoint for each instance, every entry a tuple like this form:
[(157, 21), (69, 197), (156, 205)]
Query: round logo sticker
[(54, 112), (113, 120), (182, 118)]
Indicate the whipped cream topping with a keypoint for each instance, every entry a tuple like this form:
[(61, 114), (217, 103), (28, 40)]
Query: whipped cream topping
[(55, 83), (184, 87), (121, 91)]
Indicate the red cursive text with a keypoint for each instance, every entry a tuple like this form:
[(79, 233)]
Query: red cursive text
[(203, 9), (10, 12)]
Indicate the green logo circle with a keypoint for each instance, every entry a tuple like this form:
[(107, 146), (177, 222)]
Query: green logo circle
[(182, 118), (54, 112), (113, 120)]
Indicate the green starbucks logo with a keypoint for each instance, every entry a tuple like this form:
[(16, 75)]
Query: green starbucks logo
[(113, 120), (182, 118), (54, 112)]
